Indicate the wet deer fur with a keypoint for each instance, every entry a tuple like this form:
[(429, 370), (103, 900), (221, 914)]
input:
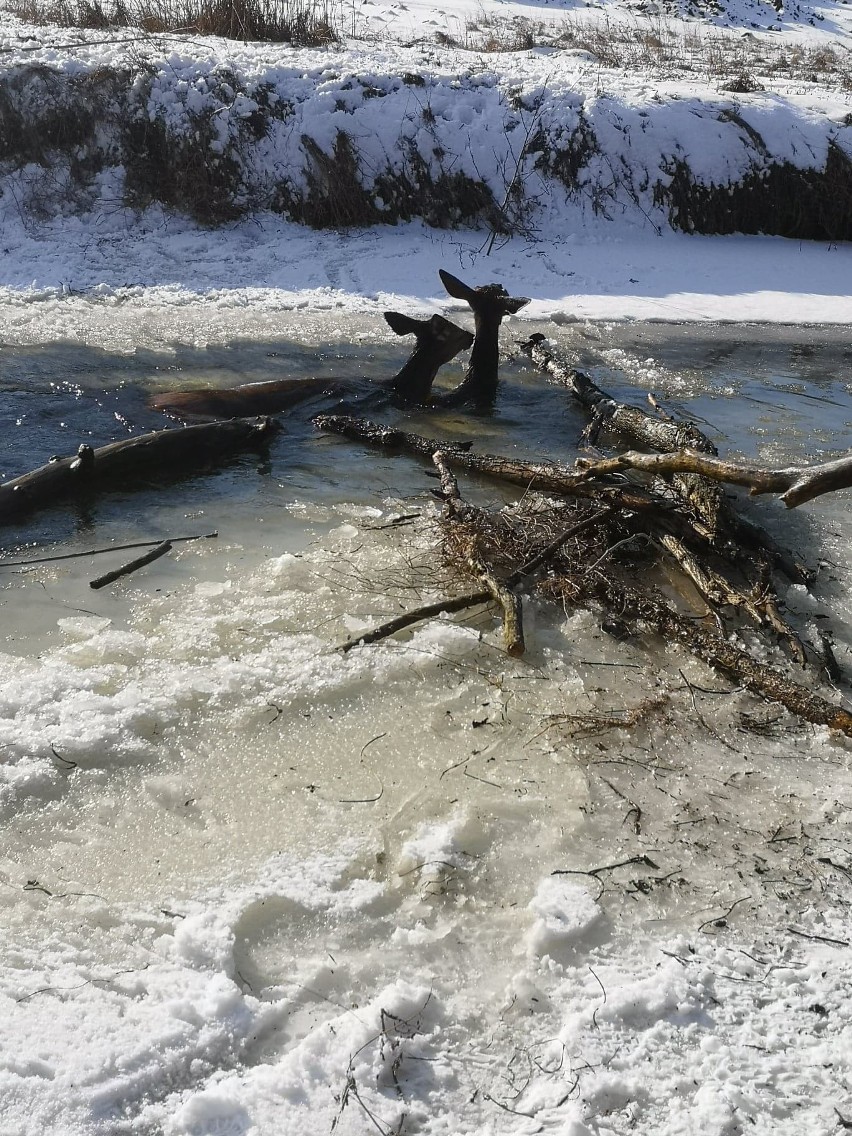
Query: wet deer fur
[(490, 303), (437, 342)]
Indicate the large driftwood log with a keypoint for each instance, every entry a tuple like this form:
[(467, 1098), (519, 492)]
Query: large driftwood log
[(545, 477), (794, 484), (635, 427), (630, 423), (161, 453)]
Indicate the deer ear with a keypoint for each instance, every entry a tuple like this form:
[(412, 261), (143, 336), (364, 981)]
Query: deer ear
[(403, 325), (444, 328), (514, 304), (456, 287)]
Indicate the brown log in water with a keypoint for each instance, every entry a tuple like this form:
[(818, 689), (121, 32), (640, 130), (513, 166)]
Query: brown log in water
[(161, 453)]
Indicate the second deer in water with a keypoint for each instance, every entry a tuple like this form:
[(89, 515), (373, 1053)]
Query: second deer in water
[(437, 342), (490, 303)]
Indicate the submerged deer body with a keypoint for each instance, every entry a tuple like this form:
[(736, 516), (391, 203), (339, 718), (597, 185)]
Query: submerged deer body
[(244, 401), (437, 341), (490, 303)]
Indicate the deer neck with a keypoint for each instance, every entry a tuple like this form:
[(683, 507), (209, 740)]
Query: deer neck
[(485, 353), (413, 381), (479, 384)]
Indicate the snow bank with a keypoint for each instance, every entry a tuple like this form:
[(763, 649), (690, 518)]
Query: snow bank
[(358, 137)]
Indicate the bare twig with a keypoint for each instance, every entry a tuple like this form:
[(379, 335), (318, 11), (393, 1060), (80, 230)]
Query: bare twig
[(66, 763), (819, 938), (102, 551), (448, 604), (640, 859), (132, 565), (364, 800), (367, 800), (721, 920), (713, 733), (603, 991), (484, 780)]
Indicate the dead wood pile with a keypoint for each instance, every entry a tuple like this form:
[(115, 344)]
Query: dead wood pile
[(648, 541)]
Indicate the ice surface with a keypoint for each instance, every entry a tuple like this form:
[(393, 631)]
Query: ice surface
[(280, 886)]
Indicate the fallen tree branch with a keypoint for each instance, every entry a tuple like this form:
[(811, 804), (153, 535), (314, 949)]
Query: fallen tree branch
[(132, 565), (163, 452), (643, 610), (795, 484), (449, 484), (717, 591), (103, 551), (513, 620), (545, 477), (630, 423)]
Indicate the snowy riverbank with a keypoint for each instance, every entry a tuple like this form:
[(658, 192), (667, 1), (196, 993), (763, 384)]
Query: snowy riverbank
[(537, 142), (164, 280)]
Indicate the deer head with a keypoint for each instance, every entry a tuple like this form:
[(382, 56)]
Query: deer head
[(437, 342)]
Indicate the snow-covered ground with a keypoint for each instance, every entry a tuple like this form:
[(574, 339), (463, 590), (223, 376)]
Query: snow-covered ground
[(250, 887), (590, 163), (156, 284)]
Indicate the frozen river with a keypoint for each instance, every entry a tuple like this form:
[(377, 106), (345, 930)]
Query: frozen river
[(251, 886)]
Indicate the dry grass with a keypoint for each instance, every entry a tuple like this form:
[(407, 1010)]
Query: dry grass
[(732, 60), (308, 23), (665, 49), (496, 34)]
